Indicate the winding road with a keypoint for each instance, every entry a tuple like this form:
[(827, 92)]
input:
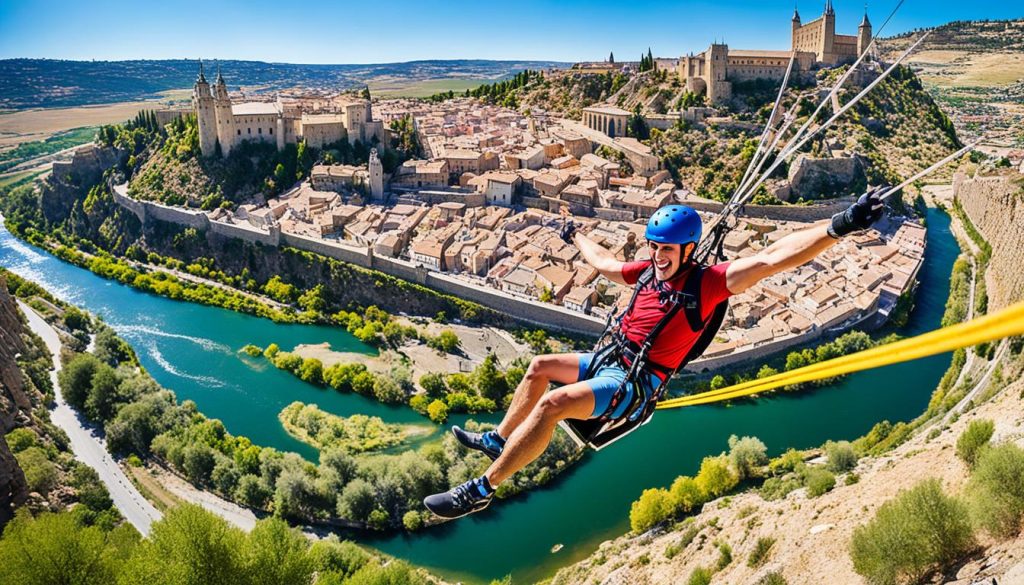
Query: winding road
[(87, 444)]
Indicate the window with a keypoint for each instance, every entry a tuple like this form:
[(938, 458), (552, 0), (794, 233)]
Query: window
[(239, 131), (271, 131), (248, 130), (259, 130)]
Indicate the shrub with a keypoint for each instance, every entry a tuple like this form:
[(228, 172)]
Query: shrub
[(973, 439), (700, 576), (653, 507), (788, 461), (434, 384), (724, 556), (841, 456), (996, 490), (911, 534), (20, 439), (762, 549), (818, 481), (40, 473), (271, 351), (773, 578), (253, 350), (746, 455), (776, 488), (685, 495), (715, 478), (412, 520), (312, 371)]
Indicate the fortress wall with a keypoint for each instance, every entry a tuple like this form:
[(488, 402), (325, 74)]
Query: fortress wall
[(995, 205), (195, 219), (400, 269), (350, 254), (245, 232), (542, 314), (614, 214), (136, 207)]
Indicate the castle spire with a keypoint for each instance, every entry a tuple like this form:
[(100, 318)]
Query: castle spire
[(220, 78), (201, 78), (796, 13), (865, 22), (829, 11)]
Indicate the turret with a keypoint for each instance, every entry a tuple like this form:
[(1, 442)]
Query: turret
[(864, 33), (376, 177), (225, 120), (203, 103), (796, 25)]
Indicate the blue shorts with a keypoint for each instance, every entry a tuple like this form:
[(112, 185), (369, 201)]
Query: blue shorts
[(605, 382)]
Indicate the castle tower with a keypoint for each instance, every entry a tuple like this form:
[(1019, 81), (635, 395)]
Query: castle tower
[(225, 121), (716, 60), (376, 177), (828, 34), (796, 25), (863, 33), (206, 116)]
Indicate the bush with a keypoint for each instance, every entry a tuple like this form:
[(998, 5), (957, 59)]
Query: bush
[(433, 384), (776, 488), (841, 456), (773, 578), (685, 495), (996, 490), (788, 461), (915, 532), (312, 371), (412, 520), (20, 439), (724, 556), (715, 478), (818, 481), (746, 455), (653, 507), (762, 549), (970, 443), (437, 411), (40, 473), (700, 576), (253, 350), (446, 341)]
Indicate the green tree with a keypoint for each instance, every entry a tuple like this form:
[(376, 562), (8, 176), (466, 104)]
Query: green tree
[(685, 495), (54, 548), (747, 455), (276, 553), (434, 385), (996, 490), (718, 382), (313, 299), (75, 379), (312, 371), (490, 382), (653, 507), (715, 478), (437, 411), (446, 341), (841, 456)]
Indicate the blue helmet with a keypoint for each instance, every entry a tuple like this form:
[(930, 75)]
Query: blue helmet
[(674, 224)]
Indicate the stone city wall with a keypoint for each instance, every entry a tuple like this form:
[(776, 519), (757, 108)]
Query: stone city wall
[(247, 233)]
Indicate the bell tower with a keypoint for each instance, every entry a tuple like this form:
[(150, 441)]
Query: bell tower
[(206, 116)]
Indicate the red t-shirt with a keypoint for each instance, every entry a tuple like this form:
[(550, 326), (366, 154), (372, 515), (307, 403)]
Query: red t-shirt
[(676, 339)]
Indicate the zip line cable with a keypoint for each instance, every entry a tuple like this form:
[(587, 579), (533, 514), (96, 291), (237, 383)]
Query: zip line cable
[(1005, 323)]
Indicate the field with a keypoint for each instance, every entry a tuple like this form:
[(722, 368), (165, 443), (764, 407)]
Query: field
[(21, 126), (422, 88), (949, 69)]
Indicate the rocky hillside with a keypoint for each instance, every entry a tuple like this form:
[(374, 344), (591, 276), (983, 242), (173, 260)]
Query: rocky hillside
[(13, 489), (966, 35), (995, 205), (801, 539)]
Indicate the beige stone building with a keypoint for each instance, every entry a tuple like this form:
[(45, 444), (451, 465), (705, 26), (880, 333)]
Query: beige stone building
[(609, 120), (712, 72), (317, 121)]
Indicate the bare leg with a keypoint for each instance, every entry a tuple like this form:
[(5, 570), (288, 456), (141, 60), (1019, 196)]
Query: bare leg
[(530, 438), (561, 367)]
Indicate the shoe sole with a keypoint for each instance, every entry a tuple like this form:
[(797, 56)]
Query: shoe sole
[(474, 447), (454, 517)]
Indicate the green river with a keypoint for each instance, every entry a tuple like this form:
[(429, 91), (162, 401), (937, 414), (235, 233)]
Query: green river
[(194, 350)]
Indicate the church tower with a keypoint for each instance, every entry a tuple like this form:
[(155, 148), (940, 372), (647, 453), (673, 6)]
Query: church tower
[(376, 177), (796, 25), (225, 121), (863, 33), (206, 116)]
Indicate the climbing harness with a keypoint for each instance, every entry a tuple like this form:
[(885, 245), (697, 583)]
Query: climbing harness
[(614, 349)]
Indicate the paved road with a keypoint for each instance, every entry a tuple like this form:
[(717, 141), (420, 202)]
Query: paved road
[(87, 445)]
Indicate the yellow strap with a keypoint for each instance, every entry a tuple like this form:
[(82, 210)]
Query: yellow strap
[(1005, 323)]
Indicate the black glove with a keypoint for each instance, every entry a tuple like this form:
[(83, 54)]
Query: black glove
[(568, 231), (867, 210)]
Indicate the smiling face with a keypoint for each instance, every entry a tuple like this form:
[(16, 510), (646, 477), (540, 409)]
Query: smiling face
[(667, 258)]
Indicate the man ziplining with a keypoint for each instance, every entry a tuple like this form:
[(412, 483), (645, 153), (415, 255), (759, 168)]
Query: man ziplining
[(672, 307)]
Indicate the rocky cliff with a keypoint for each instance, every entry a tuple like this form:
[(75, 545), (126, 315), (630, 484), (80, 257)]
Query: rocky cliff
[(13, 489), (995, 205)]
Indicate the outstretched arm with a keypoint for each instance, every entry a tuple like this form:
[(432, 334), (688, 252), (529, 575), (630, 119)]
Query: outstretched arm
[(793, 250), (802, 246), (599, 257)]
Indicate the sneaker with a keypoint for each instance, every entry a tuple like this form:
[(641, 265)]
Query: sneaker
[(487, 443), (459, 501)]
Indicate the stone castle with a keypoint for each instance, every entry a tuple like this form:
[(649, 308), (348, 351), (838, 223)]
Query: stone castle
[(816, 43), (319, 121)]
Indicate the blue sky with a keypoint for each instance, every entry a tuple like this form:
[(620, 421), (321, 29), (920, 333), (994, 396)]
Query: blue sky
[(404, 30)]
